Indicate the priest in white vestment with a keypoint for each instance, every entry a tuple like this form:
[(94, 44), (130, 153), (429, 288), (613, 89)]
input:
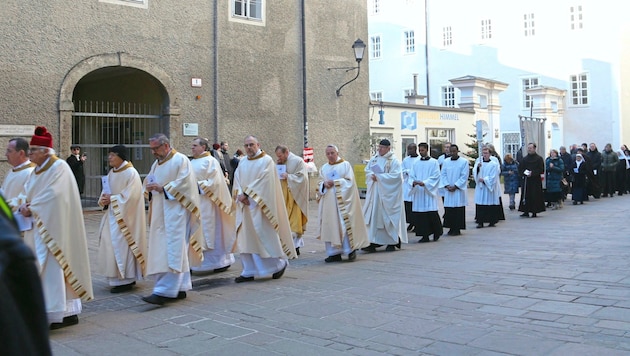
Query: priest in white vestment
[(217, 210), (294, 181), (123, 231), (263, 233), (424, 180), (340, 224), (21, 168), (407, 165), (384, 209), (175, 235), (486, 173), (57, 234), (454, 181)]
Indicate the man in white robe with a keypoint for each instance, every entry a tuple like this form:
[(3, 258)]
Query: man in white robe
[(17, 157), (217, 210), (57, 235), (294, 182), (340, 224), (454, 180), (123, 234), (384, 209), (424, 180), (486, 173), (174, 228), (263, 234), (407, 165)]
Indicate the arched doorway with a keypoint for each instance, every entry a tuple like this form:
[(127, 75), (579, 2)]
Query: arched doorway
[(105, 105)]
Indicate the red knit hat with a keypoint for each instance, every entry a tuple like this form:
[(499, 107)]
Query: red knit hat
[(42, 137)]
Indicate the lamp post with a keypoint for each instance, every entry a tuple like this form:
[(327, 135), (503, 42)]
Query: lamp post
[(359, 50)]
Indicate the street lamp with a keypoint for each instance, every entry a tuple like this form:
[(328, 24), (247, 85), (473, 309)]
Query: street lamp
[(359, 50)]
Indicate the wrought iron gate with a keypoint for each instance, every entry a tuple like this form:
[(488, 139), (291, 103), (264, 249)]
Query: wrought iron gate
[(97, 126)]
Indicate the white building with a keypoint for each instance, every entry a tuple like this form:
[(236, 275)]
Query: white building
[(561, 60)]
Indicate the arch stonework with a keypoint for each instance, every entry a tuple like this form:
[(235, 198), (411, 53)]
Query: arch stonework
[(119, 59)]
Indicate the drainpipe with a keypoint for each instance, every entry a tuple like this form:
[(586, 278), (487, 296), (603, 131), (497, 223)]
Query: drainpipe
[(215, 46), (303, 35)]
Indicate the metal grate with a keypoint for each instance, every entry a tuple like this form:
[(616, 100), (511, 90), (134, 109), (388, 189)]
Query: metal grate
[(97, 126)]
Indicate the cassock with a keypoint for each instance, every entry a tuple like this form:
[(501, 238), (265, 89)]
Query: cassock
[(217, 214), (295, 192), (532, 197), (14, 181), (407, 165), (263, 234), (425, 198), (58, 238), (487, 194), (122, 248), (384, 209), (455, 173), (341, 224), (175, 237)]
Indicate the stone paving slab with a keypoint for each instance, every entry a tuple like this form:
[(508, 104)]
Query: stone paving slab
[(554, 285)]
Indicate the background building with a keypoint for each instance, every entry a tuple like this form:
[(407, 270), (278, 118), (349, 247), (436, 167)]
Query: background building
[(105, 72), (565, 61)]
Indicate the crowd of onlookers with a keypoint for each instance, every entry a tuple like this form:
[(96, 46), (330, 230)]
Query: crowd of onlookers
[(582, 171)]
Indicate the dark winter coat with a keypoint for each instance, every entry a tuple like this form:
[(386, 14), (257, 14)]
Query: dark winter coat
[(609, 161), (554, 174), (511, 181)]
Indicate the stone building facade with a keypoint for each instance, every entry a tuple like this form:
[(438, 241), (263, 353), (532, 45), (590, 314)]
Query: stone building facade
[(105, 72)]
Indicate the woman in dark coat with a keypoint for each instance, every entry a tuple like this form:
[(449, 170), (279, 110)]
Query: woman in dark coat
[(554, 174), (509, 171), (578, 172)]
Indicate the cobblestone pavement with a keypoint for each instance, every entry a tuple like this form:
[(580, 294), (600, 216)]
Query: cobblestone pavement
[(554, 285)]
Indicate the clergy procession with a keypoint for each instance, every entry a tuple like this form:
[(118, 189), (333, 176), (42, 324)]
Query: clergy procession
[(182, 219)]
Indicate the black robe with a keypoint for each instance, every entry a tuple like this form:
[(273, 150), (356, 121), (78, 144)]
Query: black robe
[(532, 196)]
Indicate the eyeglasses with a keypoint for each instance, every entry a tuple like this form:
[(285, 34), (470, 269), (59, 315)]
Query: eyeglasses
[(249, 145), (33, 150), (156, 147)]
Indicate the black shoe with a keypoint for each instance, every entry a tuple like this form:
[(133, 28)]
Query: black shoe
[(534, 215), (390, 248), (352, 256), (581, 203), (436, 237), (455, 232), (512, 207), (525, 215), (480, 225), (155, 299), (574, 202), (297, 250), (424, 239), (279, 274), (241, 279), (398, 244), (122, 288), (222, 269), (181, 295), (369, 249), (492, 225), (410, 227), (67, 321), (334, 258)]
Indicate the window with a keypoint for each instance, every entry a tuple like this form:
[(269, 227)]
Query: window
[(248, 9), (529, 24), (447, 36), (579, 89), (448, 96), (575, 13), (375, 47), (375, 7), (410, 42), (483, 101), (437, 138), (511, 143), (135, 3), (486, 30), (528, 83), (376, 96)]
